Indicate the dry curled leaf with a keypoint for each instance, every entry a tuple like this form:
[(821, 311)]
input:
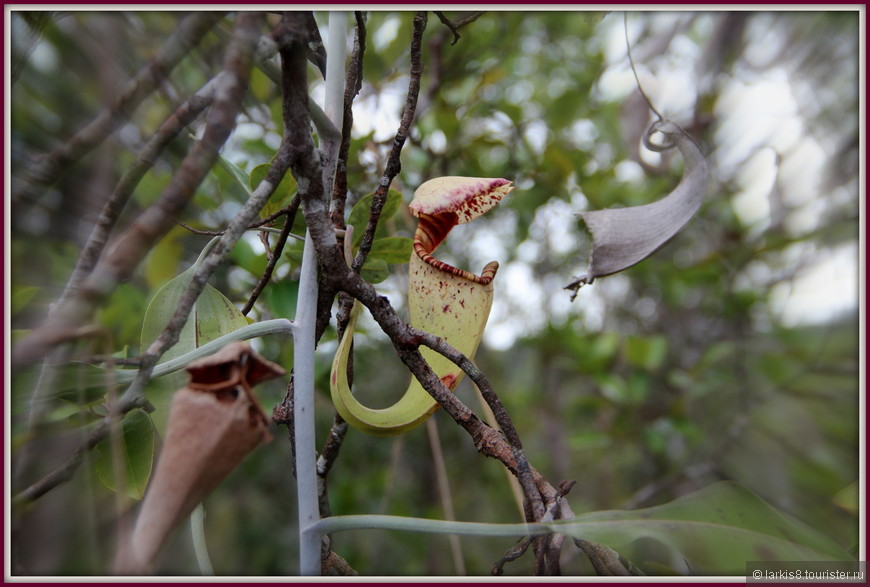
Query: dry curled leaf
[(622, 237), (214, 423)]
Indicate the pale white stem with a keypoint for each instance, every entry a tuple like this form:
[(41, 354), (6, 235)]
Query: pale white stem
[(255, 330), (200, 548), (304, 337)]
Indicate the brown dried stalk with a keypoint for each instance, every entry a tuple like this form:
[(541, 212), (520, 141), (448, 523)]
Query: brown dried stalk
[(127, 251), (214, 423)]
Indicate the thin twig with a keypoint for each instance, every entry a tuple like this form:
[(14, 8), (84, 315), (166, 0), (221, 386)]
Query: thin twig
[(257, 224), (501, 414), (606, 561), (326, 459), (196, 164), (352, 87), (66, 471), (274, 255), (337, 432), (171, 127), (314, 172), (339, 193), (394, 165), (121, 259), (455, 26), (282, 415), (444, 492), (634, 71)]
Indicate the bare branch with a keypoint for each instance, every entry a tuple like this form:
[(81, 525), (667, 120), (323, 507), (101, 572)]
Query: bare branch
[(76, 309), (455, 26), (274, 255), (48, 168), (127, 251), (352, 87), (394, 165), (66, 471), (239, 61), (170, 128), (502, 417), (306, 166)]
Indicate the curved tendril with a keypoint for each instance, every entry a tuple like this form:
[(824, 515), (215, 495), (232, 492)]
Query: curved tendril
[(636, 78)]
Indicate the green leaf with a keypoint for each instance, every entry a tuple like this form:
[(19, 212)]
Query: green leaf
[(213, 315), (847, 498), (281, 296), (236, 172), (714, 354), (121, 313), (81, 384), (137, 446), (597, 351), (392, 249), (244, 255), (716, 530), (646, 352), (359, 214), (21, 296), (282, 195), (624, 392), (162, 263), (375, 270)]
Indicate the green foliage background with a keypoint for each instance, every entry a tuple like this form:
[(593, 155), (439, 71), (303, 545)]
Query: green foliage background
[(683, 371)]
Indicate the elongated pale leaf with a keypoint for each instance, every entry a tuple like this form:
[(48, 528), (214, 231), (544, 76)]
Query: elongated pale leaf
[(237, 173), (213, 315), (359, 214), (375, 270), (392, 249), (282, 194), (137, 445), (715, 530)]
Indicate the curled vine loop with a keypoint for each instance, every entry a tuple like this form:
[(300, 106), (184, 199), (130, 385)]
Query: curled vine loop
[(636, 78)]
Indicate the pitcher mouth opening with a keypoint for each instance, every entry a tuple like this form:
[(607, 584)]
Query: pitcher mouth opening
[(430, 233)]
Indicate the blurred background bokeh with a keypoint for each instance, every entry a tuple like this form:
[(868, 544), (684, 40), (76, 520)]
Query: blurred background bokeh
[(733, 353)]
